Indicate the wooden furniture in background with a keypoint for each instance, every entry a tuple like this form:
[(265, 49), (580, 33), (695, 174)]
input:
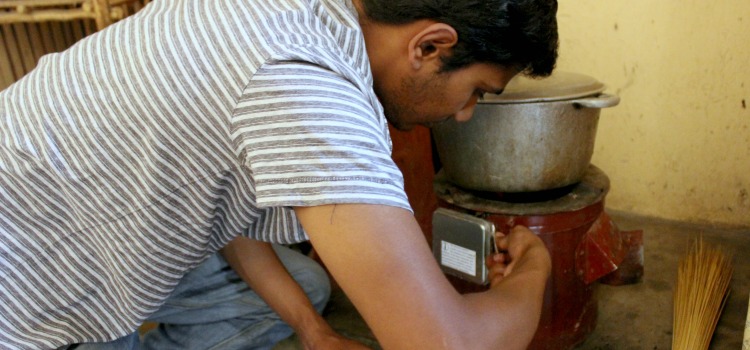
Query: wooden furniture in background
[(30, 29)]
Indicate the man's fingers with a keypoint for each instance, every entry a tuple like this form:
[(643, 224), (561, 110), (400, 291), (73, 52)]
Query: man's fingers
[(501, 241)]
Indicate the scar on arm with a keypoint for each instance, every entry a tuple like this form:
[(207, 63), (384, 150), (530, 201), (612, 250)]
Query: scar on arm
[(332, 212)]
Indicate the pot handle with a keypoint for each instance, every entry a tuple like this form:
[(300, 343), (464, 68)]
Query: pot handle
[(599, 101)]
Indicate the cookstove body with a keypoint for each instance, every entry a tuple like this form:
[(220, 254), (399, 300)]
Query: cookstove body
[(585, 246)]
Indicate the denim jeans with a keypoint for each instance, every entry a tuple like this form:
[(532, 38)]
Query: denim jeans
[(212, 308)]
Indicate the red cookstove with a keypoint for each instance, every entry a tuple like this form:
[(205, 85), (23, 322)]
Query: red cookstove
[(585, 244)]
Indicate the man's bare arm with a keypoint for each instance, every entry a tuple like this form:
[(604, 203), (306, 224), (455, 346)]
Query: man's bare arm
[(379, 256)]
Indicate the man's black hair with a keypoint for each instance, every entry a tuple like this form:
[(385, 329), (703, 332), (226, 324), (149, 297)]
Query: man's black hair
[(519, 34)]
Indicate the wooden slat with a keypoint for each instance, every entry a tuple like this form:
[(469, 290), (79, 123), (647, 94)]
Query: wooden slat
[(47, 39), (38, 3), (45, 15), (58, 39), (24, 47), (35, 37), (67, 33), (16, 63), (121, 2), (32, 4), (102, 14), (89, 27), (77, 27), (6, 68)]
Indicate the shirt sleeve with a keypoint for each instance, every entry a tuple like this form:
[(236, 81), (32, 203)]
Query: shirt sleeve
[(310, 137)]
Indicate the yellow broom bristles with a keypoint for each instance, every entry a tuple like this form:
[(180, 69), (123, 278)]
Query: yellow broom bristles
[(700, 294)]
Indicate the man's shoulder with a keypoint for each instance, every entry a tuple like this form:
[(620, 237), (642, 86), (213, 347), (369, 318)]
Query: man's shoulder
[(323, 32)]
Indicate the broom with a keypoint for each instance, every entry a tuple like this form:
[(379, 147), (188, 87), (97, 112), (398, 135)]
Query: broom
[(700, 294)]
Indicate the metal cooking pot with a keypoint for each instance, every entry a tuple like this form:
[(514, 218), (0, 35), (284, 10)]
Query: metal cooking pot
[(538, 135)]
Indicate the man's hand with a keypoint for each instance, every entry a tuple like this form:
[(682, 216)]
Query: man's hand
[(519, 247), (325, 338), (497, 263)]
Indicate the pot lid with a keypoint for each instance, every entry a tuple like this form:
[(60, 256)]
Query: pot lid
[(558, 86)]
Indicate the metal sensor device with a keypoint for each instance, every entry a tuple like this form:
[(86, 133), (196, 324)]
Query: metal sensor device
[(460, 243)]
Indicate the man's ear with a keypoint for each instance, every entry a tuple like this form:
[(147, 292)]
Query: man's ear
[(431, 43)]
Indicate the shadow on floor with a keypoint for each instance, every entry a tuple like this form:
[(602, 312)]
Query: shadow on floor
[(633, 316)]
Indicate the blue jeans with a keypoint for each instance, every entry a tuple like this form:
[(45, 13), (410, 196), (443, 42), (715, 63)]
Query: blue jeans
[(212, 308)]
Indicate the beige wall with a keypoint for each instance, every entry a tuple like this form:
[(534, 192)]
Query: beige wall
[(678, 145)]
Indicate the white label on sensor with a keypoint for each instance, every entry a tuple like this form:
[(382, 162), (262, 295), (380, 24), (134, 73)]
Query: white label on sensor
[(458, 258)]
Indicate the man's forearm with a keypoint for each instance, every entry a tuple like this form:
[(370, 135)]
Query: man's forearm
[(518, 298), (379, 257), (257, 264)]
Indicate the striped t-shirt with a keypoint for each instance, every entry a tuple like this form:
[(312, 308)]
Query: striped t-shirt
[(131, 157)]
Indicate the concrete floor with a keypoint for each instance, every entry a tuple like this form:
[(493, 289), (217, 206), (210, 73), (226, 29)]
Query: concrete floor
[(630, 317)]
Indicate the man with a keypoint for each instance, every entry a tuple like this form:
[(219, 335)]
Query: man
[(136, 154)]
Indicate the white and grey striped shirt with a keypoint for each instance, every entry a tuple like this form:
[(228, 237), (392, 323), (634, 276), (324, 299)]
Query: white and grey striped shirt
[(131, 157)]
